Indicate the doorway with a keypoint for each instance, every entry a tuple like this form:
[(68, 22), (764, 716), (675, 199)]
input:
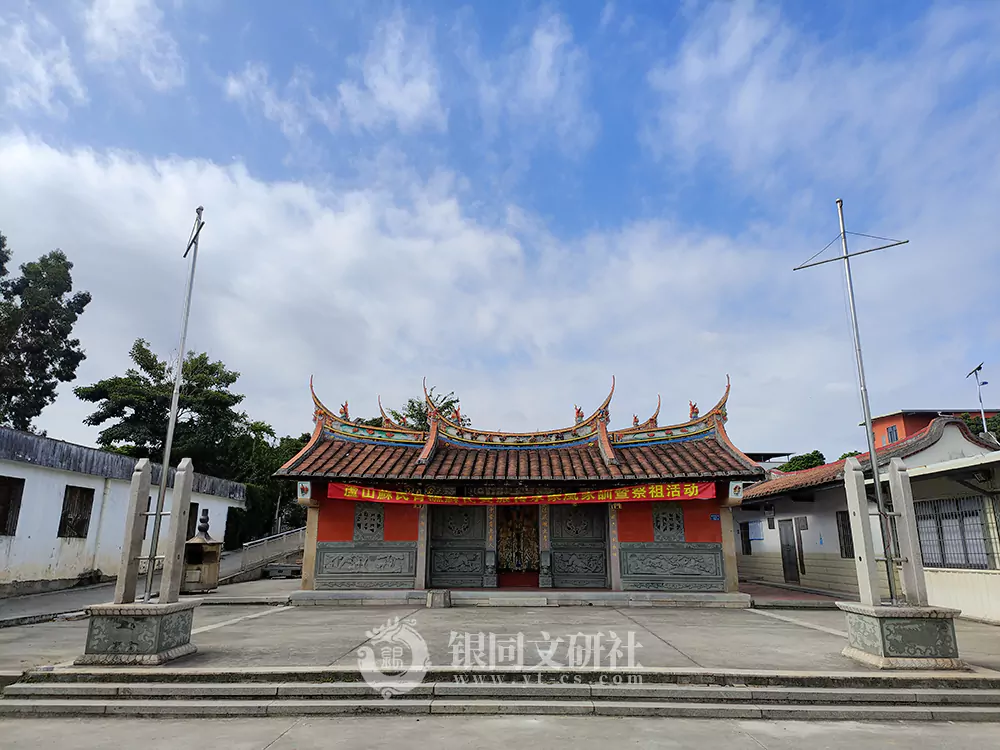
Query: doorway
[(789, 558), (517, 546)]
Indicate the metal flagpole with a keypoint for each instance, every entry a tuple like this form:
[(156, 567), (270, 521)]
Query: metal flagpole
[(869, 432), (979, 390), (883, 512), (175, 398)]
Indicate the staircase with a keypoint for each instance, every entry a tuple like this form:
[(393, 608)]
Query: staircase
[(183, 693)]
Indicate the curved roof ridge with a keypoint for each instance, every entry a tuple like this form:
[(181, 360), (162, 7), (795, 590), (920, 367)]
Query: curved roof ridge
[(469, 432)]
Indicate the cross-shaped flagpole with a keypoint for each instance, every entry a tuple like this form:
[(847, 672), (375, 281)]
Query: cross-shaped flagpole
[(884, 515)]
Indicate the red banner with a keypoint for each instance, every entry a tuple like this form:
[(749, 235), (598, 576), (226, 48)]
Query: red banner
[(638, 493)]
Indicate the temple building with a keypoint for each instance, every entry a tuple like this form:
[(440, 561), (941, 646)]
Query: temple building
[(645, 508)]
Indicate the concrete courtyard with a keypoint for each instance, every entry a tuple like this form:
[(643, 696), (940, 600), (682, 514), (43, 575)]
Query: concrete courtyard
[(271, 635)]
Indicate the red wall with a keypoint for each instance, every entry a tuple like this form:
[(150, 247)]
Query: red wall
[(402, 522), (336, 522), (635, 521)]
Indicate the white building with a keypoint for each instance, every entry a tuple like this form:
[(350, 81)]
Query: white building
[(794, 530), (63, 508)]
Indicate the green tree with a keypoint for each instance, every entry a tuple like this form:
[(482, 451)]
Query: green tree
[(975, 423), (803, 461), (37, 313), (414, 412), (849, 454), (137, 406)]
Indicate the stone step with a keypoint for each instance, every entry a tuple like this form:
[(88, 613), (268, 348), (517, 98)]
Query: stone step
[(291, 707), (619, 677), (256, 691)]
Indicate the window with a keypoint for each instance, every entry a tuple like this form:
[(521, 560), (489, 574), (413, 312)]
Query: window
[(956, 533), (892, 434), (78, 502), (11, 489), (745, 538), (844, 534)]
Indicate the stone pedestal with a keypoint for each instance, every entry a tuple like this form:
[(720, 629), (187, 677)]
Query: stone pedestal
[(146, 634), (902, 637), (438, 598)]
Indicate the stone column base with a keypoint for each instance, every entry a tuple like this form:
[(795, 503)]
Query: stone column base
[(437, 598), (902, 637), (146, 634)]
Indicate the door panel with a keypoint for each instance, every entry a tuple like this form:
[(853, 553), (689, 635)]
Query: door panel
[(579, 537), (457, 555), (789, 560)]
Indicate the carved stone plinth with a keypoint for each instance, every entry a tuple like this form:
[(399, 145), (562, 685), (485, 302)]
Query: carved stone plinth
[(139, 633), (902, 637)]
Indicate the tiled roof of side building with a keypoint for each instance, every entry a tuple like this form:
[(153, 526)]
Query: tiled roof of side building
[(833, 473)]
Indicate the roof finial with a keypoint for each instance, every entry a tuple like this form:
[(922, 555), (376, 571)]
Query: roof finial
[(692, 410)]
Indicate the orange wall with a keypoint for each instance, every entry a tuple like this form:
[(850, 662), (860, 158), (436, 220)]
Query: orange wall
[(336, 521), (698, 523), (402, 523), (635, 522)]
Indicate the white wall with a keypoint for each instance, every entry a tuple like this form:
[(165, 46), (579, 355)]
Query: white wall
[(36, 553)]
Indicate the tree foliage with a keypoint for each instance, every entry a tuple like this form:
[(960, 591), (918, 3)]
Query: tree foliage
[(849, 454), (803, 461), (414, 411), (975, 423), (136, 408), (37, 313)]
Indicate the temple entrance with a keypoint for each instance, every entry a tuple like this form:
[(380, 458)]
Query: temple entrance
[(517, 546)]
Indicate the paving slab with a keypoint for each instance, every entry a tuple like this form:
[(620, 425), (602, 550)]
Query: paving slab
[(740, 639)]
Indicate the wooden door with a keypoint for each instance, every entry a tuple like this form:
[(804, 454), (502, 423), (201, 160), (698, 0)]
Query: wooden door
[(789, 559)]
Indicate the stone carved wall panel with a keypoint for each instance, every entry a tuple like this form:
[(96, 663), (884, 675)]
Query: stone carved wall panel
[(672, 566)]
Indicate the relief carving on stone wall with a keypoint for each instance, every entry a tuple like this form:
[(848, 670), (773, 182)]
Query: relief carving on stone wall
[(672, 564), (364, 562), (456, 561)]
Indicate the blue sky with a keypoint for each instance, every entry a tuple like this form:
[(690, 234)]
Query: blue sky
[(519, 200)]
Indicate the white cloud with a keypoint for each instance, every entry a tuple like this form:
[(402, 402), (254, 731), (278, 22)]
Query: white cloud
[(747, 85), (293, 109), (36, 68), (398, 85), (399, 81), (539, 88), (132, 32)]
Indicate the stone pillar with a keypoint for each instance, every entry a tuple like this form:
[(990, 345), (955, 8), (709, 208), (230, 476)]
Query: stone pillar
[(490, 577), (732, 583), (129, 633), (309, 545), (420, 576), (614, 562), (544, 548), (914, 585), (135, 524), (861, 532), (173, 554)]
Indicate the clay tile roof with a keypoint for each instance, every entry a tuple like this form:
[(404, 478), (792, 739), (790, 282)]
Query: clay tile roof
[(343, 459), (833, 473)]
